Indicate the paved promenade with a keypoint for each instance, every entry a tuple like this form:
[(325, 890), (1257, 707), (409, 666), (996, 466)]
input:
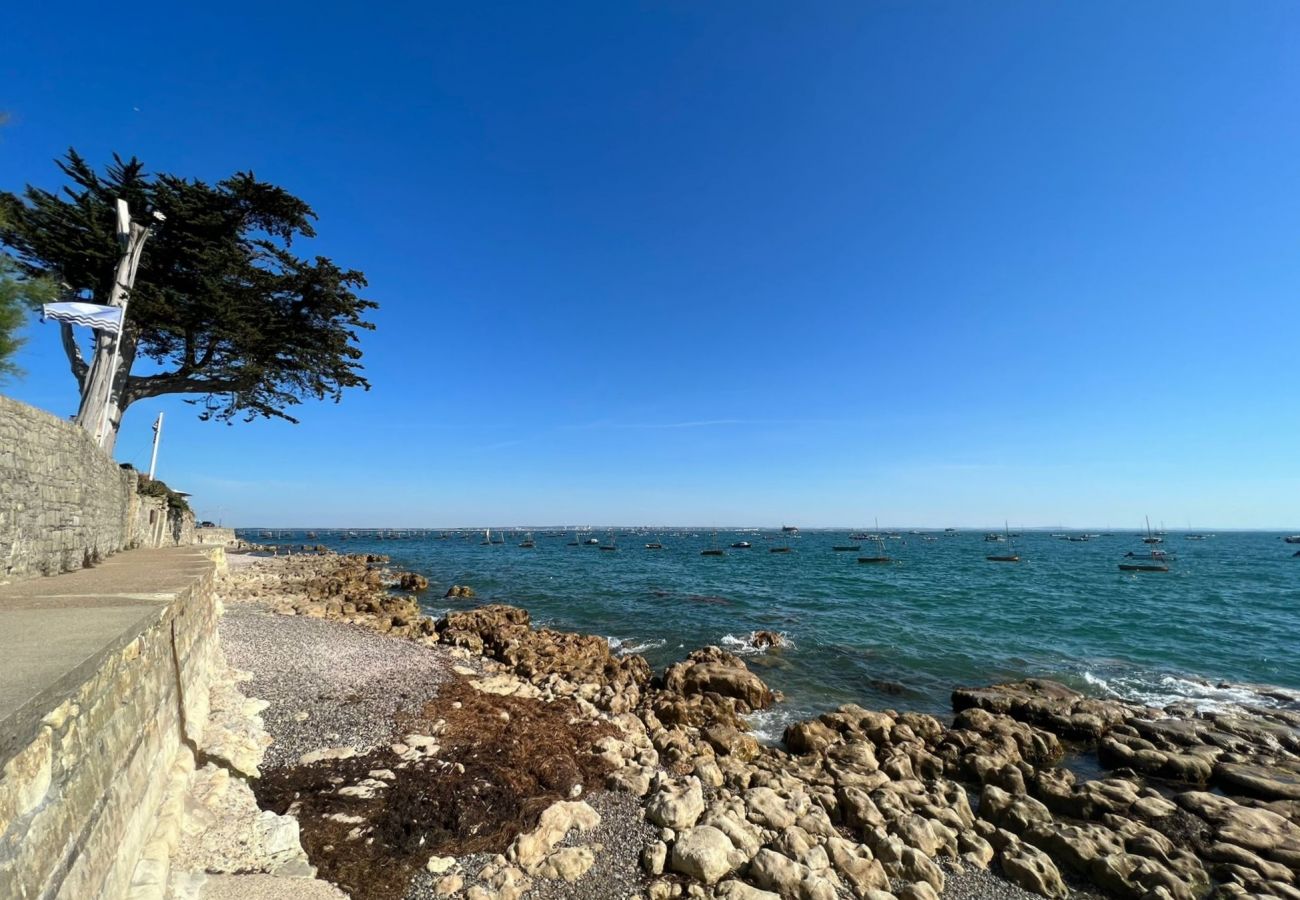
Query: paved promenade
[(55, 631)]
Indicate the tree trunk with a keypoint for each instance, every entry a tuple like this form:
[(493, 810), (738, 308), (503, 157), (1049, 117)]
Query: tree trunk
[(90, 414), (103, 391)]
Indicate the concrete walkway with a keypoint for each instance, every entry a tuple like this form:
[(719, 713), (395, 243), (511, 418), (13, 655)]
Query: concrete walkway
[(55, 631)]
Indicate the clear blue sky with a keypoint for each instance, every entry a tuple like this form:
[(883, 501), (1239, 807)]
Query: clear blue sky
[(935, 263)]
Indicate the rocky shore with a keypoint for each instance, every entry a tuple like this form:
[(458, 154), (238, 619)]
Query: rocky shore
[(481, 757)]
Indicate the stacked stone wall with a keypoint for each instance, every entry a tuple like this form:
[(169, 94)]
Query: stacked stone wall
[(65, 504), (79, 800)]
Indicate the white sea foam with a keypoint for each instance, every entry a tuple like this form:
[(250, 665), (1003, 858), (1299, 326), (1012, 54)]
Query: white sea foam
[(631, 646), (1161, 690), (743, 645), (768, 725)]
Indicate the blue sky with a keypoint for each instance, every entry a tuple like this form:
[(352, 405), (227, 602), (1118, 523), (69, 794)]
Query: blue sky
[(932, 263)]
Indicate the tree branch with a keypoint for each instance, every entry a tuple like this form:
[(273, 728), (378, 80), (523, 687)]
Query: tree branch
[(75, 359), (177, 383)]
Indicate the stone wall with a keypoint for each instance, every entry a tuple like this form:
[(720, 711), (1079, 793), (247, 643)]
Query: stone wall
[(224, 537), (80, 799), (64, 503)]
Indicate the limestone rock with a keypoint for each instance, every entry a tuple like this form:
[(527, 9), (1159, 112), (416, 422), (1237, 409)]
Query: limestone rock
[(1032, 869), (705, 854), (529, 849), (677, 804)]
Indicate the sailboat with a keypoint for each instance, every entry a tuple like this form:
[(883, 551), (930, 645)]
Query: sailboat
[(575, 542), (610, 546), (880, 556), (527, 543), (1004, 557), (487, 537), (1152, 538), (714, 550)]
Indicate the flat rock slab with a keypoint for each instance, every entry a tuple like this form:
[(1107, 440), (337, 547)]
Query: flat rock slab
[(1260, 781)]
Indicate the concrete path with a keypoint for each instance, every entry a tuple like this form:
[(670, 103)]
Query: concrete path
[(54, 631)]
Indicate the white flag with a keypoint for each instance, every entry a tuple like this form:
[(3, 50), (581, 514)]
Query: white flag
[(92, 315)]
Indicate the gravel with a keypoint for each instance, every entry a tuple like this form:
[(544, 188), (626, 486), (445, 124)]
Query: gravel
[(349, 680), (970, 883), (617, 872)]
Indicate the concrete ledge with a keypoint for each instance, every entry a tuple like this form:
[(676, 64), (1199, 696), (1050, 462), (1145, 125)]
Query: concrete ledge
[(103, 682)]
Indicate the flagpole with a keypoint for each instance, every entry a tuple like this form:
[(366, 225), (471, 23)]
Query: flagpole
[(133, 237)]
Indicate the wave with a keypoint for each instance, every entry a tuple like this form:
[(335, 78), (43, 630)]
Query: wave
[(743, 645), (631, 647), (768, 725), (1161, 690)]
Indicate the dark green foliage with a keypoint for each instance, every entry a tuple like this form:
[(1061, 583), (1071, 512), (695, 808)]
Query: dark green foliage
[(220, 303), (154, 488), (16, 294)]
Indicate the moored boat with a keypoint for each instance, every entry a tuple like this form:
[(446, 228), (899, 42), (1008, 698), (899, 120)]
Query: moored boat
[(741, 545)]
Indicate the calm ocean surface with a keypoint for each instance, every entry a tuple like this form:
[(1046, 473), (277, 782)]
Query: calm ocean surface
[(901, 635)]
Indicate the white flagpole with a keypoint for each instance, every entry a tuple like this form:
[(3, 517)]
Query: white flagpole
[(133, 238), (157, 436)]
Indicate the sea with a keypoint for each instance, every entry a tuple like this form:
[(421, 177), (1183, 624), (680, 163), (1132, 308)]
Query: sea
[(1220, 628)]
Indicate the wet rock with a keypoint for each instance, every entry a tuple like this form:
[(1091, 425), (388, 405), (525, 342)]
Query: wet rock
[(410, 581), (1048, 704), (1278, 782), (713, 670), (730, 741), (812, 736)]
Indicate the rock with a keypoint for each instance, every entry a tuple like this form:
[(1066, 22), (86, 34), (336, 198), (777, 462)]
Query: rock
[(676, 804), (713, 670), (1048, 704), (653, 857), (705, 854), (1032, 869), (567, 863), (1268, 782), (765, 807), (918, 891), (448, 885), (1015, 814), (462, 591), (856, 868), (788, 878), (738, 890), (812, 736), (410, 581), (439, 864), (766, 639), (529, 849), (730, 741), (325, 753)]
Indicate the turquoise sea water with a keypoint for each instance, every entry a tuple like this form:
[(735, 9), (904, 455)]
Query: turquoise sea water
[(902, 635)]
